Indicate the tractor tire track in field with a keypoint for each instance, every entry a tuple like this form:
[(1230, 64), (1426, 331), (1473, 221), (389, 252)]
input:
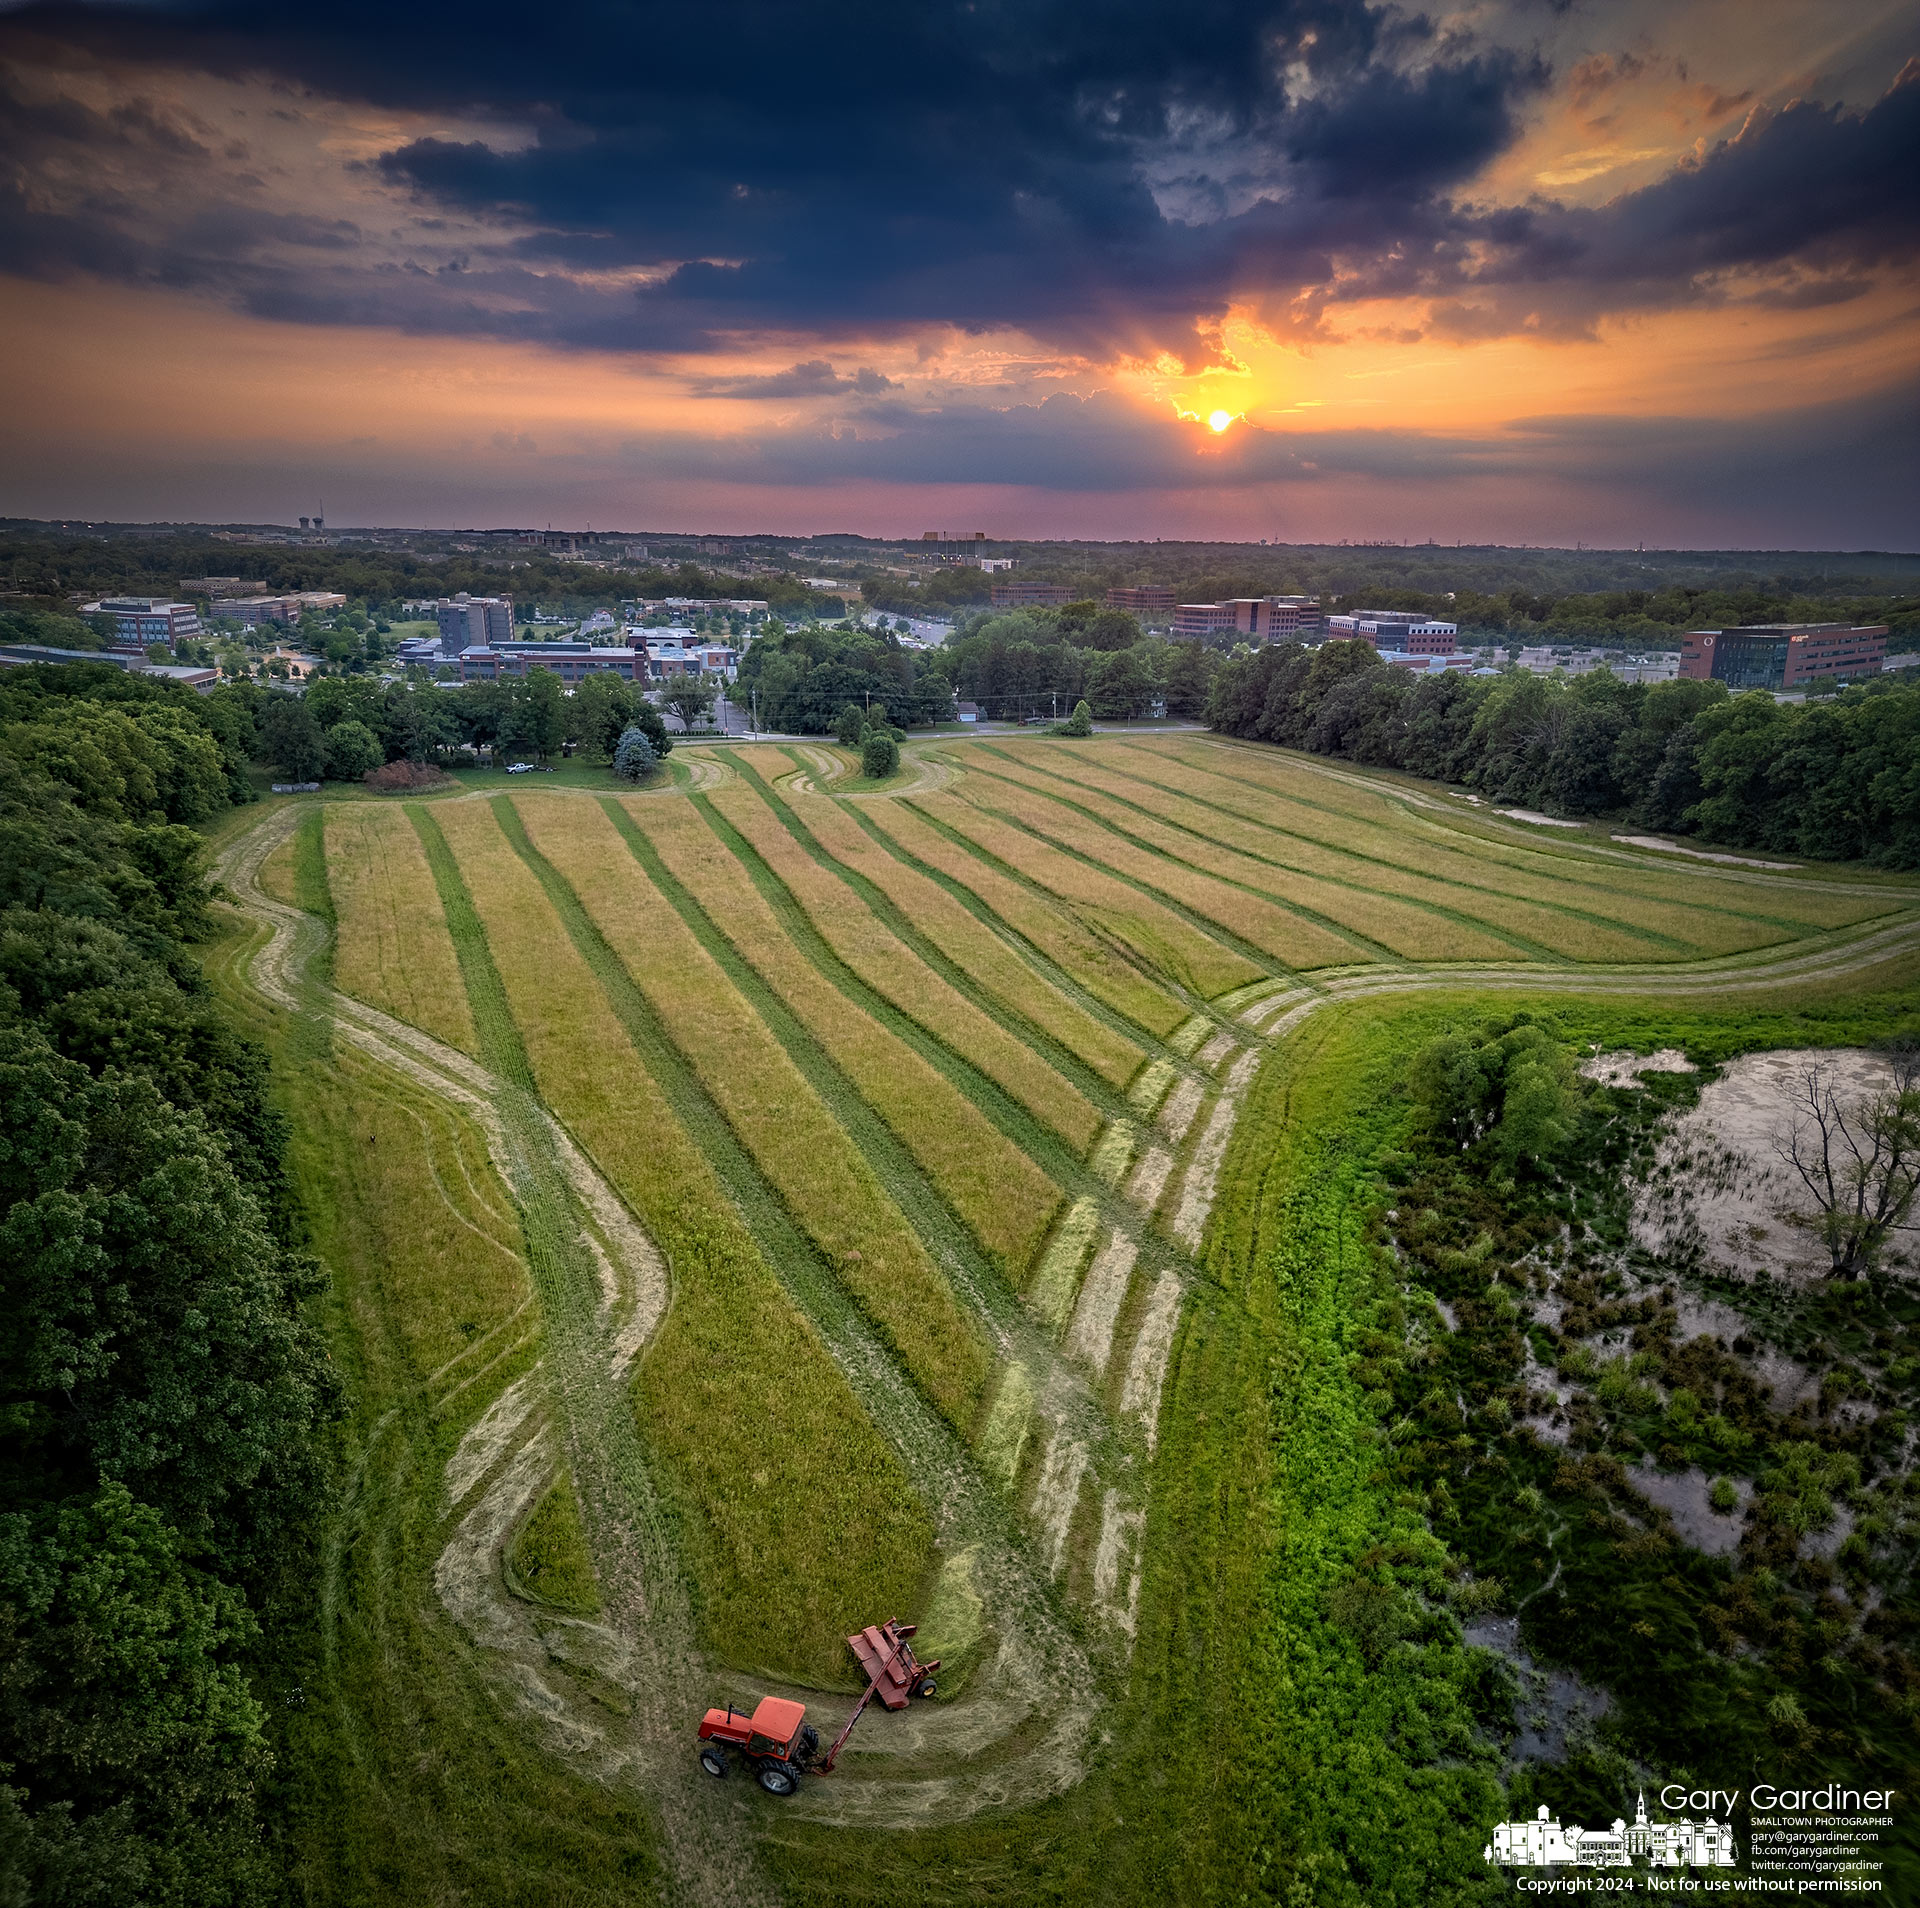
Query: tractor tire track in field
[(1037, 1669)]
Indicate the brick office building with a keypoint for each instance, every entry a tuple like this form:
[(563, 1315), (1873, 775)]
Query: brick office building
[(1784, 655)]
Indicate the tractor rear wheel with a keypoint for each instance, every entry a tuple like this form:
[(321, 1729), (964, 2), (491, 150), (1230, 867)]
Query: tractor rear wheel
[(926, 1686), (778, 1778), (713, 1759)]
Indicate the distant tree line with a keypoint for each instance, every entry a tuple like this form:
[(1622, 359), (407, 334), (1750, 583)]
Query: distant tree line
[(161, 1396), (1022, 662), (1834, 778)]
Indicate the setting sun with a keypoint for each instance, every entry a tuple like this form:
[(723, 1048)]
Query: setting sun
[(1219, 420)]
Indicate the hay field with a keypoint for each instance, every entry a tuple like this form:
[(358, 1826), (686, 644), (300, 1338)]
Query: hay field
[(938, 1109)]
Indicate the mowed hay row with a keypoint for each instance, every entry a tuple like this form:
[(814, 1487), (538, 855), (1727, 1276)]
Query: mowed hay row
[(439, 1283), (1051, 928), (970, 944), (1461, 909), (808, 1158), (391, 945), (1714, 910), (1561, 911), (1376, 910), (773, 1581), (1000, 1195), (1149, 929), (276, 872), (874, 952)]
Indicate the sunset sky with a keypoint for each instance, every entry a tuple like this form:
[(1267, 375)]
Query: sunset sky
[(1521, 271)]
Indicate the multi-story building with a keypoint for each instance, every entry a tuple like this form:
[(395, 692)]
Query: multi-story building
[(1266, 619), (1784, 655), (1143, 599), (467, 621), (1022, 593), (288, 609), (662, 656), (140, 620), (216, 587), (1408, 631), (953, 536)]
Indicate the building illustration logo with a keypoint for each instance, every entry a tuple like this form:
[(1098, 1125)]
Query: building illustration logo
[(1543, 1843)]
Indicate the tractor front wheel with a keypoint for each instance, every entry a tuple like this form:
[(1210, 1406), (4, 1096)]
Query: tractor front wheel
[(778, 1778), (713, 1759)]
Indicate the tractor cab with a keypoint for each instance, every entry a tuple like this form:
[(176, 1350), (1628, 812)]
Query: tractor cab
[(777, 1741)]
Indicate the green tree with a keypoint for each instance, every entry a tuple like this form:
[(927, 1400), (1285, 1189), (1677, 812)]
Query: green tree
[(293, 738), (634, 757), (851, 725), (546, 704), (1079, 723), (351, 750), (1509, 1087), (599, 712), (690, 698), (879, 754)]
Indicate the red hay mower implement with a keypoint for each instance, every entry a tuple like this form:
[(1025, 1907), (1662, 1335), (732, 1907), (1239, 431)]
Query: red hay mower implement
[(780, 1745)]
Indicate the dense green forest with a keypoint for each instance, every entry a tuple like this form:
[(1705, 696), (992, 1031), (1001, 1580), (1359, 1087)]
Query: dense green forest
[(1836, 777), (162, 1398)]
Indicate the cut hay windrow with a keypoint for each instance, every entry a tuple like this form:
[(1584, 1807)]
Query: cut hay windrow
[(1115, 1152), (1238, 933), (392, 949), (1102, 1293), (1150, 931), (1560, 913), (1041, 921), (1001, 974), (779, 1119), (1003, 1437), (893, 970), (1355, 919), (1149, 1179), (1056, 1281), (753, 1509), (1405, 848), (1002, 1197), (1147, 1368), (1056, 1496), (1146, 1092)]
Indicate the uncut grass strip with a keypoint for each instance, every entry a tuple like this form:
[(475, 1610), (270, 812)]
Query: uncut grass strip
[(1154, 905), (970, 956), (391, 947), (1357, 921), (1142, 933), (924, 1121), (751, 1514), (1537, 856), (1105, 974), (821, 1179), (811, 897), (1119, 1056), (1572, 891), (1396, 922)]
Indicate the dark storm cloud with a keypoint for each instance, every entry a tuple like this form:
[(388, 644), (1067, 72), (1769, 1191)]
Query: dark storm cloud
[(985, 163), (1106, 178)]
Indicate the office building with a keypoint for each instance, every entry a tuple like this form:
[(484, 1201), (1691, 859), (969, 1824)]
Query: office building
[(256, 610), (1154, 601), (217, 587), (469, 621), (1408, 631), (953, 536), (1262, 619), (140, 620), (1023, 594), (1784, 655)]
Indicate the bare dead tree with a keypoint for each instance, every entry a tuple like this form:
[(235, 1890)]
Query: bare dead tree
[(1858, 1159)]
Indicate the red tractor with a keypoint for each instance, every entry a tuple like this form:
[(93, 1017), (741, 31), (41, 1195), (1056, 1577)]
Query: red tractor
[(778, 1742)]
